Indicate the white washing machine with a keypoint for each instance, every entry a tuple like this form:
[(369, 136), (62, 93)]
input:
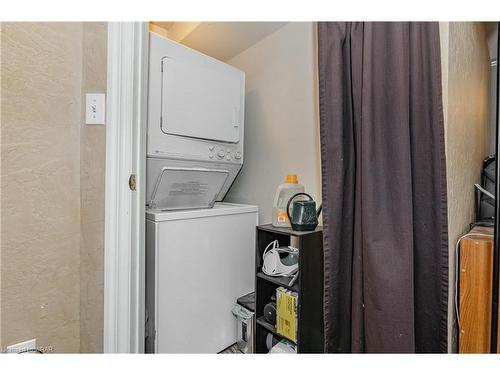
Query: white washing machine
[(198, 263), (200, 254)]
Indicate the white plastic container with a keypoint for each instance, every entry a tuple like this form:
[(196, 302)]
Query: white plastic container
[(283, 194)]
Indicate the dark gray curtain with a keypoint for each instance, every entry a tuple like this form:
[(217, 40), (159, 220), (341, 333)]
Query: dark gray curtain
[(384, 187)]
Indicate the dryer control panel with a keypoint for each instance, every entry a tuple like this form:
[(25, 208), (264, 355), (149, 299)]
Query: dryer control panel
[(220, 153)]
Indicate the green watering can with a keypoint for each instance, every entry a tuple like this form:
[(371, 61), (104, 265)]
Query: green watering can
[(304, 215)]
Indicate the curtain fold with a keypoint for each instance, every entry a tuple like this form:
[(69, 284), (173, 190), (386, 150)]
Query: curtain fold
[(384, 187)]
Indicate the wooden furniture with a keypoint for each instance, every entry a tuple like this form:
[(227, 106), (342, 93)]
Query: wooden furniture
[(475, 290), (309, 287)]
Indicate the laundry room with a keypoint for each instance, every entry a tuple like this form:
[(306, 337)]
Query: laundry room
[(281, 134), (249, 187), (203, 76)]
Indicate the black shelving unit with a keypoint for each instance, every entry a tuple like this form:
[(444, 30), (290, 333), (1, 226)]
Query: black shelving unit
[(309, 287)]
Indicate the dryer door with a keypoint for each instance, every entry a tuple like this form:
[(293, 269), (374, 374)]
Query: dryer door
[(201, 98)]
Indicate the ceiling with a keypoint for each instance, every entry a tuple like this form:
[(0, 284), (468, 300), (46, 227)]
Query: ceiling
[(163, 25), (221, 40)]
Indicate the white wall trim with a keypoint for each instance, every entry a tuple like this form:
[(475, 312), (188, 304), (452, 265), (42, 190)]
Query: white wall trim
[(124, 216)]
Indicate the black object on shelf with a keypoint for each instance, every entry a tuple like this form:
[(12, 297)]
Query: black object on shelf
[(247, 301), (309, 287), (270, 311)]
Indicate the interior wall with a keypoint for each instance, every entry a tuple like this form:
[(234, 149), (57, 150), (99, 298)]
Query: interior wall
[(466, 76), (52, 185), (281, 116), (0, 189), (41, 75), (92, 176), (491, 29), (493, 105)]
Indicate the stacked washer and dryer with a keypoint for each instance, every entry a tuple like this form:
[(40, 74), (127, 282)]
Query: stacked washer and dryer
[(199, 250)]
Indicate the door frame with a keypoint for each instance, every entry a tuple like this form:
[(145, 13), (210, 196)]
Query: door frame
[(124, 247)]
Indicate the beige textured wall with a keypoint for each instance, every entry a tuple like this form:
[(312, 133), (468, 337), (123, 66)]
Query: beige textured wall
[(92, 173), (281, 116), (52, 184), (466, 101), (41, 74), (0, 190)]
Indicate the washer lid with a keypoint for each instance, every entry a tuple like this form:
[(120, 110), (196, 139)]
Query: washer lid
[(219, 209), (185, 188)]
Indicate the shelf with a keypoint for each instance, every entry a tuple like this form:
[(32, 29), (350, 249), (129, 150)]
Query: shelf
[(309, 287), (264, 323), (280, 281), (287, 231)]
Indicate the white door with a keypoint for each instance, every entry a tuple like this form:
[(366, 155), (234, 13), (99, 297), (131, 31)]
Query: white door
[(201, 98)]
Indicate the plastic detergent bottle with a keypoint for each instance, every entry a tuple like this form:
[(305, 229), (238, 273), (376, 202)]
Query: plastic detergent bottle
[(283, 194)]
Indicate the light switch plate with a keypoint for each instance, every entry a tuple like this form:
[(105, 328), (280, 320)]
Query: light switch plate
[(95, 113)]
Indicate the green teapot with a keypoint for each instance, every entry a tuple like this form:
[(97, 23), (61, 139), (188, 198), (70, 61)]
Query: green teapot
[(304, 216)]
